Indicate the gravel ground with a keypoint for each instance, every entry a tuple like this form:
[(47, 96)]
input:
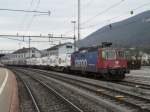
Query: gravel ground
[(79, 91), (83, 98), (26, 104), (142, 75), (131, 90), (48, 102), (79, 97), (143, 72)]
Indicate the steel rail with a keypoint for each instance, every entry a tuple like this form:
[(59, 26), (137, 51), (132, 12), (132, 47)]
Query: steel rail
[(112, 106), (67, 79), (55, 92), (135, 84), (30, 93)]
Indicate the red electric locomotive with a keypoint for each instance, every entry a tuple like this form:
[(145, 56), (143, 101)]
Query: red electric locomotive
[(108, 62)]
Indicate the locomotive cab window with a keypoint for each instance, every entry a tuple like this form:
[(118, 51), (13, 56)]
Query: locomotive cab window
[(126, 54), (121, 55), (111, 54), (104, 54)]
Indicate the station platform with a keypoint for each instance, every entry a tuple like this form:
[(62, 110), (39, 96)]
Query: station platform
[(8, 91)]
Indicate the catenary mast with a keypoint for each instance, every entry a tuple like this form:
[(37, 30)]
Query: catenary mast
[(79, 18)]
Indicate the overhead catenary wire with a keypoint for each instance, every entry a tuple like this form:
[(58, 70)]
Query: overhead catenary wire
[(37, 36), (110, 27), (30, 23), (115, 17), (98, 14), (74, 17), (103, 12), (14, 39), (29, 11), (33, 16), (88, 3), (25, 16)]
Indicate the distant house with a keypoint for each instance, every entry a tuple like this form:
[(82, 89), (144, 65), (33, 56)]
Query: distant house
[(27, 53), (23, 53)]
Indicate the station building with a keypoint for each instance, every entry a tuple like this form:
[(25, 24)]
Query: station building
[(58, 55), (27, 53), (66, 48), (21, 55)]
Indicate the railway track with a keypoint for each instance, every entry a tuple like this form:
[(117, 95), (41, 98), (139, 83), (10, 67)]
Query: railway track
[(140, 80), (83, 101), (27, 101), (46, 98), (133, 101), (135, 84)]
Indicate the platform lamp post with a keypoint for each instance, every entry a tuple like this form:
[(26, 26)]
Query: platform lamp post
[(74, 29)]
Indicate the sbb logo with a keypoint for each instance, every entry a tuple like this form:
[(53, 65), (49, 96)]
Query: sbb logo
[(81, 63)]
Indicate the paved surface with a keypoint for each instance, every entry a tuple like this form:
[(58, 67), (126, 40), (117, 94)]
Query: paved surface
[(8, 92), (143, 72)]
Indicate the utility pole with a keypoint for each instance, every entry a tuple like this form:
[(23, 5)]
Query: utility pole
[(79, 19), (29, 47), (19, 45), (50, 35), (74, 23)]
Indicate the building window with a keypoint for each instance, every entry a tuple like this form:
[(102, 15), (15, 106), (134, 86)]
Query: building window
[(33, 55), (33, 51), (69, 47)]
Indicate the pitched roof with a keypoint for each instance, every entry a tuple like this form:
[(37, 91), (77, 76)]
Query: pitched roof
[(58, 46), (25, 50)]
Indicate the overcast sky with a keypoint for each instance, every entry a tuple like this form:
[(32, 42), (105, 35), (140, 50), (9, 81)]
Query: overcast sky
[(62, 13)]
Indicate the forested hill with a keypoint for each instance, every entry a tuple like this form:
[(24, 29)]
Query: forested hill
[(132, 32)]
